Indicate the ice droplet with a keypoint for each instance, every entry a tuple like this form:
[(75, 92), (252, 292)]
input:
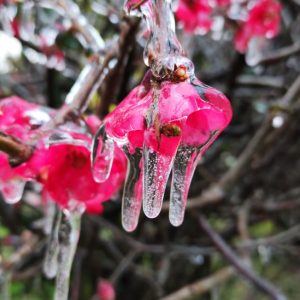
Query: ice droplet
[(68, 239), (12, 190), (184, 167), (132, 195), (50, 263), (102, 155)]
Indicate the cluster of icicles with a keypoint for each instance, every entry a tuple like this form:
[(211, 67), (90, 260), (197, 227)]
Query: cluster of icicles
[(164, 124)]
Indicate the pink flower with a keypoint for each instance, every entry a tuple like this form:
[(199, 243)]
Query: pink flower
[(194, 15), (263, 21), (105, 290), (161, 125), (61, 159), (223, 2)]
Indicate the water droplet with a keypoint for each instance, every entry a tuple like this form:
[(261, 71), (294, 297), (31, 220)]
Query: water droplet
[(102, 155)]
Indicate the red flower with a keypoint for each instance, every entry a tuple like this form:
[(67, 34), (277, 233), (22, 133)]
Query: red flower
[(194, 15), (60, 162), (105, 290), (263, 21)]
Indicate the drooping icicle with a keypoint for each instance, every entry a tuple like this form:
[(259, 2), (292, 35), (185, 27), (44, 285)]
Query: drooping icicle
[(157, 163), (102, 155), (12, 190), (132, 195), (183, 170), (185, 163), (157, 168), (51, 259), (68, 239)]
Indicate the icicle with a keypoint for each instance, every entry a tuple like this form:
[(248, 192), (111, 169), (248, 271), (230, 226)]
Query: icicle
[(68, 239), (12, 190), (5, 279), (102, 155), (132, 195), (157, 168), (50, 263), (183, 170)]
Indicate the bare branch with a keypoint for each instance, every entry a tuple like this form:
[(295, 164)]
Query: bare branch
[(200, 287), (17, 151), (238, 264)]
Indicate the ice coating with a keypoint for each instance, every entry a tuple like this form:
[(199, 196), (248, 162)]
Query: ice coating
[(69, 234), (132, 195), (50, 265), (165, 124), (102, 155)]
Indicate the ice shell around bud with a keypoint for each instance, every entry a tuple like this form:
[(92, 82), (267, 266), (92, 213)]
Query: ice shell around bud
[(102, 155), (12, 190), (166, 126)]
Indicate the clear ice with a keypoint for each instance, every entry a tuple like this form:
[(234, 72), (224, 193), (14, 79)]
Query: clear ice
[(51, 258), (68, 239), (102, 155), (132, 195)]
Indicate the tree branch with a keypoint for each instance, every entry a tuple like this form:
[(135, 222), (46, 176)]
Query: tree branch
[(238, 264)]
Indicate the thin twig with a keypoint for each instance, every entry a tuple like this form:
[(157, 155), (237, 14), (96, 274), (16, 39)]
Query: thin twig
[(17, 150), (279, 54), (199, 287), (238, 264)]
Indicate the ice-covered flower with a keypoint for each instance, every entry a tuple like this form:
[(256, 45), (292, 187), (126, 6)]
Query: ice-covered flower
[(194, 15), (263, 20), (60, 160), (163, 126), (166, 123)]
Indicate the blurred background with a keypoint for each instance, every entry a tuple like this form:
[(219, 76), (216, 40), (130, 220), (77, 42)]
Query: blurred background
[(246, 185)]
